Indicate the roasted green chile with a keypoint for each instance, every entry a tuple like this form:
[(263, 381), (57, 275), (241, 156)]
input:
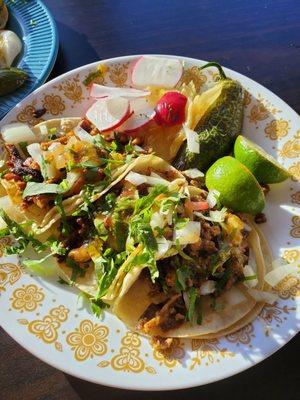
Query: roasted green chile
[(218, 127)]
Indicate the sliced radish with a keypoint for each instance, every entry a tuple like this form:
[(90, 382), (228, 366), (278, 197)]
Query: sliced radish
[(156, 71), (143, 113), (107, 114), (99, 91), (170, 109)]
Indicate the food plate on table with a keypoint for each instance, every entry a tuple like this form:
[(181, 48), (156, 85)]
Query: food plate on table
[(30, 49), (154, 202)]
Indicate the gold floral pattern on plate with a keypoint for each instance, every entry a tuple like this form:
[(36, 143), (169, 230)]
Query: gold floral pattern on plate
[(258, 112), (290, 149), (277, 129), (54, 104), (208, 352), (5, 241), (291, 255), (295, 231), (288, 288), (172, 355), (9, 274), (118, 74), (275, 313), (296, 197), (27, 298), (46, 329), (71, 89), (247, 98), (295, 171), (193, 74), (88, 340), (128, 358), (27, 114), (242, 336)]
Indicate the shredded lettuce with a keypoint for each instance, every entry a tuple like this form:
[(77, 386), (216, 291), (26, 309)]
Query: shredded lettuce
[(23, 239), (35, 188), (45, 266)]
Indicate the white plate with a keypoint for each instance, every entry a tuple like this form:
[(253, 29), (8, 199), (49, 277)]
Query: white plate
[(44, 316)]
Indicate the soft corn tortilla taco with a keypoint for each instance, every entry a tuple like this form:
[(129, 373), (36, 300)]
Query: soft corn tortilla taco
[(12, 197), (45, 217), (142, 165), (238, 307)]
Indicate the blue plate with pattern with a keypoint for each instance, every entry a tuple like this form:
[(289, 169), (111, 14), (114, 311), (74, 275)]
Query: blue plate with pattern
[(35, 26)]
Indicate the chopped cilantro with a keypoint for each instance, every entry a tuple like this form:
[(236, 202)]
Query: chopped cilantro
[(98, 306), (192, 295), (59, 205), (77, 271), (23, 239)]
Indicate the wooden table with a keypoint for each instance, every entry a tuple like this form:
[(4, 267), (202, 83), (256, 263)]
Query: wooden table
[(259, 38)]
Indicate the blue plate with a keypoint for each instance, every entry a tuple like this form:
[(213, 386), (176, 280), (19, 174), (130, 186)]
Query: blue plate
[(34, 25)]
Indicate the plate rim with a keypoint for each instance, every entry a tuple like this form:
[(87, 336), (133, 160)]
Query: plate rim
[(237, 368)]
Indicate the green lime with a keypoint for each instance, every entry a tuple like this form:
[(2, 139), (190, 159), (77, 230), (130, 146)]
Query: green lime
[(263, 166), (239, 190)]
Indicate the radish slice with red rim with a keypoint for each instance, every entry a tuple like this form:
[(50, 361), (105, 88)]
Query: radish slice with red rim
[(108, 113), (99, 91), (156, 71), (143, 113)]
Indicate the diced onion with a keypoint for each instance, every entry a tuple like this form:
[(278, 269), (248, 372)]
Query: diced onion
[(17, 132), (157, 219), (214, 216), (155, 179), (83, 135), (212, 197), (247, 227), (37, 154), (43, 130), (163, 246), (135, 178), (138, 148), (250, 273), (207, 287), (138, 179), (193, 173), (190, 233), (192, 139), (72, 177), (260, 295), (279, 262), (279, 273)]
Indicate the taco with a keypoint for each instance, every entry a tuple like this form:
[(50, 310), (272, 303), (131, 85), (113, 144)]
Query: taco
[(165, 269), (52, 167), (111, 249), (205, 290)]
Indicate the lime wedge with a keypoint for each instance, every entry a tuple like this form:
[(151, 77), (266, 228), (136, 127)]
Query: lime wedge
[(239, 190), (263, 166)]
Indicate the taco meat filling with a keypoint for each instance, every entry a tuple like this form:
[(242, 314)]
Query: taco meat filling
[(206, 268)]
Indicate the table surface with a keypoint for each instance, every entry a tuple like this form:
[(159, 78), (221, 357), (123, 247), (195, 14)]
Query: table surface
[(258, 38)]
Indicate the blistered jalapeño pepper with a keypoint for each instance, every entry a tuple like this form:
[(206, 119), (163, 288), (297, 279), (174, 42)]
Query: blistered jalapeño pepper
[(219, 122)]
